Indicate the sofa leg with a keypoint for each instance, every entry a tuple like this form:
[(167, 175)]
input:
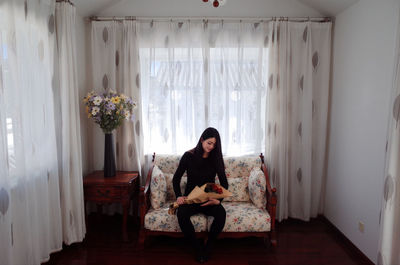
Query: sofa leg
[(267, 242), (274, 242), (141, 239)]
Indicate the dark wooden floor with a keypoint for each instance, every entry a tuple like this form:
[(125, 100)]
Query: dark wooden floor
[(299, 243)]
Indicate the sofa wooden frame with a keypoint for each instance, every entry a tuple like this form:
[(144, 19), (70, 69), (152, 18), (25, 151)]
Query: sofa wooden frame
[(269, 237)]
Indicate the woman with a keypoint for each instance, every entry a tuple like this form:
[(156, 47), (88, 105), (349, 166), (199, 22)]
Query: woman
[(201, 164)]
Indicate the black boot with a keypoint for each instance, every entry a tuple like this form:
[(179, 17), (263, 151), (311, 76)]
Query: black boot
[(199, 248), (208, 248), (200, 258)]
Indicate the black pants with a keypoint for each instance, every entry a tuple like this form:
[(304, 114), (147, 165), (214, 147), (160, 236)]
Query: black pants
[(185, 211)]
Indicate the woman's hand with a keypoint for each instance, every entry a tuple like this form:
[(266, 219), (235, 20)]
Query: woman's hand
[(181, 200), (211, 202)]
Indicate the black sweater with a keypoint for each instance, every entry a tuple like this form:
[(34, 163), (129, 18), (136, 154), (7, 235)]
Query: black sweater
[(199, 171)]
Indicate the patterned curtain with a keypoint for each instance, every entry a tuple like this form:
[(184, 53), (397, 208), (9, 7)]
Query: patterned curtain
[(389, 243), (68, 130), (297, 112), (115, 66), (30, 212), (263, 84)]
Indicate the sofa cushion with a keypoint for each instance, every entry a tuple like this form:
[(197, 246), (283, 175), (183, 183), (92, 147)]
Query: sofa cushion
[(239, 189), (160, 220), (244, 217), (158, 188), (241, 166), (167, 163), (170, 186), (257, 188)]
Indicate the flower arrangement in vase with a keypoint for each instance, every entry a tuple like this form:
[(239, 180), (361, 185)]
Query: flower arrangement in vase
[(109, 110)]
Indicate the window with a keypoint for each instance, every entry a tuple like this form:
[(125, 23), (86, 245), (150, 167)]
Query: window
[(180, 97)]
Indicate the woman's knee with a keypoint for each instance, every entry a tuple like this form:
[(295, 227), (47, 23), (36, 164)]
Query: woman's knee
[(184, 212), (181, 213)]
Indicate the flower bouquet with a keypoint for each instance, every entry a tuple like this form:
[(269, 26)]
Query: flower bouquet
[(203, 194), (109, 110)]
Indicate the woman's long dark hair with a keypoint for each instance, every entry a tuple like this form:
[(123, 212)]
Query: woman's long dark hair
[(216, 154)]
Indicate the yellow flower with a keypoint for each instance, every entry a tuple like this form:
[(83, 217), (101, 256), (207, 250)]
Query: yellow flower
[(90, 94), (115, 100), (85, 99), (87, 109)]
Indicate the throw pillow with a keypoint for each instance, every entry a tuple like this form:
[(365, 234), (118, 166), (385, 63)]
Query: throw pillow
[(257, 188), (239, 189), (158, 188), (170, 186)]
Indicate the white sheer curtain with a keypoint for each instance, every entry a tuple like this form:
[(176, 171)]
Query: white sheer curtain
[(116, 66), (30, 214), (105, 46), (296, 122), (197, 74), (263, 85), (68, 130), (130, 136), (389, 243)]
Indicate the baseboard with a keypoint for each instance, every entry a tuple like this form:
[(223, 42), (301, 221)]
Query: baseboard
[(349, 245)]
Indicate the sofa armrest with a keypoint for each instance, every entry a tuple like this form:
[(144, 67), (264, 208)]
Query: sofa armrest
[(271, 194), (144, 196)]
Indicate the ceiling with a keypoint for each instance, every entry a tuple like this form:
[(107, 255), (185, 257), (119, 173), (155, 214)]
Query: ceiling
[(196, 8), (329, 7)]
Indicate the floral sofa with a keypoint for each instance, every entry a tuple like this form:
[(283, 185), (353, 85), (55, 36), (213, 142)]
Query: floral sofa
[(249, 212)]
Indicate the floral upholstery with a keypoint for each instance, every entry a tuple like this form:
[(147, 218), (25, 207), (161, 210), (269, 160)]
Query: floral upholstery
[(167, 163), (170, 186), (257, 188), (236, 167), (160, 220), (240, 217), (245, 210), (239, 189), (244, 217), (158, 188)]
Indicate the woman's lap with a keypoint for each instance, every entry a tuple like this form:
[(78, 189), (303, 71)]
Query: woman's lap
[(192, 209)]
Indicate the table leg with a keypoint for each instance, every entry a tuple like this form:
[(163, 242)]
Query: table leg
[(125, 205)]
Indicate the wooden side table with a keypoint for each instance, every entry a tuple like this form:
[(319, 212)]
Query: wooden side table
[(117, 189)]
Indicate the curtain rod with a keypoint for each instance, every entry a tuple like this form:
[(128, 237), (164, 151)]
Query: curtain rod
[(66, 1), (259, 19)]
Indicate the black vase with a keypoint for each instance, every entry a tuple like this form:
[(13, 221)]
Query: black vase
[(109, 160)]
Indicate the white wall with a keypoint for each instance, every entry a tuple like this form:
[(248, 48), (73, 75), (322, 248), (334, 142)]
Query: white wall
[(363, 60), (186, 8)]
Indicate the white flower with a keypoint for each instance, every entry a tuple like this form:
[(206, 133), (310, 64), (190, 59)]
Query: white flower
[(97, 100), (95, 110), (127, 115)]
